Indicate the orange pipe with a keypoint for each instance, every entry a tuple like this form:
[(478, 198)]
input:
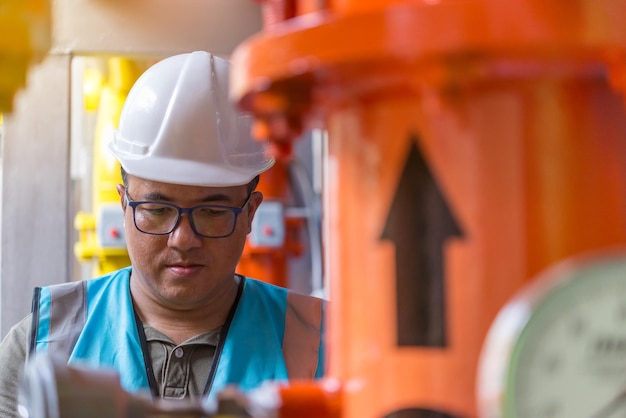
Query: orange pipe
[(472, 144), (276, 11), (270, 264)]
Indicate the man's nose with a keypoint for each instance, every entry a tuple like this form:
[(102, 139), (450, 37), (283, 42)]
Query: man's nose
[(183, 236)]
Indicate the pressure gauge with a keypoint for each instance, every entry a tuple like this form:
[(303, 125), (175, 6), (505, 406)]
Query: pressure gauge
[(558, 348)]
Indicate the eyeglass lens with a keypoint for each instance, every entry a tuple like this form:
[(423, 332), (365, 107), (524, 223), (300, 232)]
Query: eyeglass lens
[(210, 221)]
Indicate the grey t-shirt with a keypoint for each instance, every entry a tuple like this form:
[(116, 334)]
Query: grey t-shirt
[(180, 371)]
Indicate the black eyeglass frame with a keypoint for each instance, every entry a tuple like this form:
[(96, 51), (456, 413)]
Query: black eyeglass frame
[(236, 210)]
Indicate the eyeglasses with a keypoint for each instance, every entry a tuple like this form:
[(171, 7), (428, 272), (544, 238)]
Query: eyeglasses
[(209, 221)]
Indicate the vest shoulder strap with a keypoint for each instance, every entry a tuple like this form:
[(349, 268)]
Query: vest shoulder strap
[(59, 315), (302, 339)]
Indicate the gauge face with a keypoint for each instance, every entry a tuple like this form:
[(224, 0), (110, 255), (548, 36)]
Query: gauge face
[(569, 360), (557, 349)]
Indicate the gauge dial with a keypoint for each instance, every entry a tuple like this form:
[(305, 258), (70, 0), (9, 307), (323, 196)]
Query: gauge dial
[(558, 349)]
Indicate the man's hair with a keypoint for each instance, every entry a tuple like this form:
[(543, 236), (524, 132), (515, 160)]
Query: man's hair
[(251, 185)]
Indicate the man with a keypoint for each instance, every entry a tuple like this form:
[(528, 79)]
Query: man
[(178, 321)]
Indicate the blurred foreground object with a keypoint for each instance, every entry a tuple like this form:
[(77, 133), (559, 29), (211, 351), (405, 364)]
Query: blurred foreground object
[(25, 38), (51, 389), (471, 145)]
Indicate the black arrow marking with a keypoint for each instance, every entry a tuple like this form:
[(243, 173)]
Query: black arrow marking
[(419, 222)]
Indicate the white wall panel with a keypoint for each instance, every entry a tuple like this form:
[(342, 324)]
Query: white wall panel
[(35, 219)]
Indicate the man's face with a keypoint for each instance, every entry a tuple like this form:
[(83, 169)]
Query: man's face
[(181, 270)]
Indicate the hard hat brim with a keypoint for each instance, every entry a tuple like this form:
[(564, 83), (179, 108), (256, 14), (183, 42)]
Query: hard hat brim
[(192, 173)]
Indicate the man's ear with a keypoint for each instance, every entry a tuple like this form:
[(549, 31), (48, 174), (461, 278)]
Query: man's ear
[(255, 200), (121, 191)]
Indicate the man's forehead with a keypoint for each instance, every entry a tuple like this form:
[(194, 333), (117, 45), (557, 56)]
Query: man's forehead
[(140, 186)]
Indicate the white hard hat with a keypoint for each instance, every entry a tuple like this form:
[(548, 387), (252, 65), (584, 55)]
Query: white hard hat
[(179, 126)]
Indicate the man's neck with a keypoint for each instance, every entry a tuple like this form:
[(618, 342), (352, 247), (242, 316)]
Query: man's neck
[(183, 324)]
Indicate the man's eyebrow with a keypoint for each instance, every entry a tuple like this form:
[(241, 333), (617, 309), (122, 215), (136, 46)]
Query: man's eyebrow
[(219, 197), (155, 196)]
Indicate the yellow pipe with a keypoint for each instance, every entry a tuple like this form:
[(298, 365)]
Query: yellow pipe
[(101, 234)]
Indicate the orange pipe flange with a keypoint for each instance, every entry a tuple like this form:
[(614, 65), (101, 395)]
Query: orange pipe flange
[(472, 143)]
